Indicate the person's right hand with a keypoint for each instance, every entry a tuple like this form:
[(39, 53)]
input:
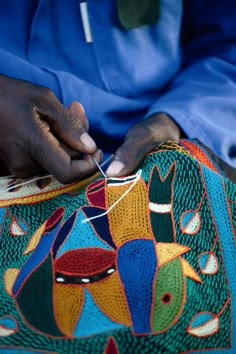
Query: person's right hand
[(38, 133)]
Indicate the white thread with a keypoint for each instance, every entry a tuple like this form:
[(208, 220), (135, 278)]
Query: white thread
[(6, 177), (99, 167), (24, 183), (138, 175), (39, 177)]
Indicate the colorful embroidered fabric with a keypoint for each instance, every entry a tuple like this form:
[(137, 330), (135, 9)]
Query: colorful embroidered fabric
[(142, 264)]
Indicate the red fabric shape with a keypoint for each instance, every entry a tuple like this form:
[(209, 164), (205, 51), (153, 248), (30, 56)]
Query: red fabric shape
[(54, 219), (96, 194), (199, 154), (111, 347), (85, 262)]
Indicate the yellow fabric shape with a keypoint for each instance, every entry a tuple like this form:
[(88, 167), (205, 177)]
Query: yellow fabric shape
[(109, 297), (128, 220), (67, 300)]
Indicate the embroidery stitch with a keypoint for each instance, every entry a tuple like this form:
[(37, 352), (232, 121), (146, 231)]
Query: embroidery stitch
[(133, 279)]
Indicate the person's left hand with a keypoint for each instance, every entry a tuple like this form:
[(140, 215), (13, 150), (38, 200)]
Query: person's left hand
[(140, 140)]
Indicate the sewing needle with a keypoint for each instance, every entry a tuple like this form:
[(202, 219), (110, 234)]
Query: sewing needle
[(99, 167)]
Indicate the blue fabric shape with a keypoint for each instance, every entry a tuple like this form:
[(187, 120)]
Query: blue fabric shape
[(63, 232), (186, 218), (201, 319), (36, 258), (137, 265), (203, 260), (2, 213), (81, 236), (23, 225), (100, 224), (92, 320), (8, 322), (218, 202)]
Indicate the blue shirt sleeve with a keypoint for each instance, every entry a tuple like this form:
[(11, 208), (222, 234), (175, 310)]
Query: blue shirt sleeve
[(202, 97), (19, 68)]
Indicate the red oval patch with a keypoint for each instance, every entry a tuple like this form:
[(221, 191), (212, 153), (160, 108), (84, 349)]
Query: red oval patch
[(85, 261)]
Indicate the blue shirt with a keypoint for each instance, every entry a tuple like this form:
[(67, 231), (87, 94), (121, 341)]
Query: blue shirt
[(185, 65)]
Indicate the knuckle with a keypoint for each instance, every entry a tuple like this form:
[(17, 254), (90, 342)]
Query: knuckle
[(145, 134), (152, 135), (71, 120), (45, 93)]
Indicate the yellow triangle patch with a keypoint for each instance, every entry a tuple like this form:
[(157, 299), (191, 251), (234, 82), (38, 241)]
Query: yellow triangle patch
[(166, 252), (9, 278), (33, 242), (189, 271)]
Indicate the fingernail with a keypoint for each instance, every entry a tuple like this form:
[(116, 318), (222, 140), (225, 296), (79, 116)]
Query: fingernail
[(115, 168), (88, 141), (82, 108)]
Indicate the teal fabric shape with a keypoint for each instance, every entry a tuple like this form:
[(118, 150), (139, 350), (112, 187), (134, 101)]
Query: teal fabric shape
[(81, 236)]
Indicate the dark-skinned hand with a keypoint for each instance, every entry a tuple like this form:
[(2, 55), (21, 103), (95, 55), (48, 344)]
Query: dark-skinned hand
[(39, 134), (140, 140), (144, 137)]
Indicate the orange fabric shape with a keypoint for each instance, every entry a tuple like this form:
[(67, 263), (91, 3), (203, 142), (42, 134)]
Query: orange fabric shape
[(199, 154)]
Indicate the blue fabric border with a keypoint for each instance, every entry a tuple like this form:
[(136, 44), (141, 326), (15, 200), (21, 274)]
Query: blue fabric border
[(219, 208)]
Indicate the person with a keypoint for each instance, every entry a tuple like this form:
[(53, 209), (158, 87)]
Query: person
[(168, 73), (138, 263)]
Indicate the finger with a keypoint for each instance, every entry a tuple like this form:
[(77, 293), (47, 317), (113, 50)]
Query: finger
[(77, 108), (50, 155), (20, 164), (129, 156), (66, 124), (140, 140), (74, 154), (29, 170)]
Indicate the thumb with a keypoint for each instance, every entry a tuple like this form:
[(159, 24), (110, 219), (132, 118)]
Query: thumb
[(128, 156), (140, 140)]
